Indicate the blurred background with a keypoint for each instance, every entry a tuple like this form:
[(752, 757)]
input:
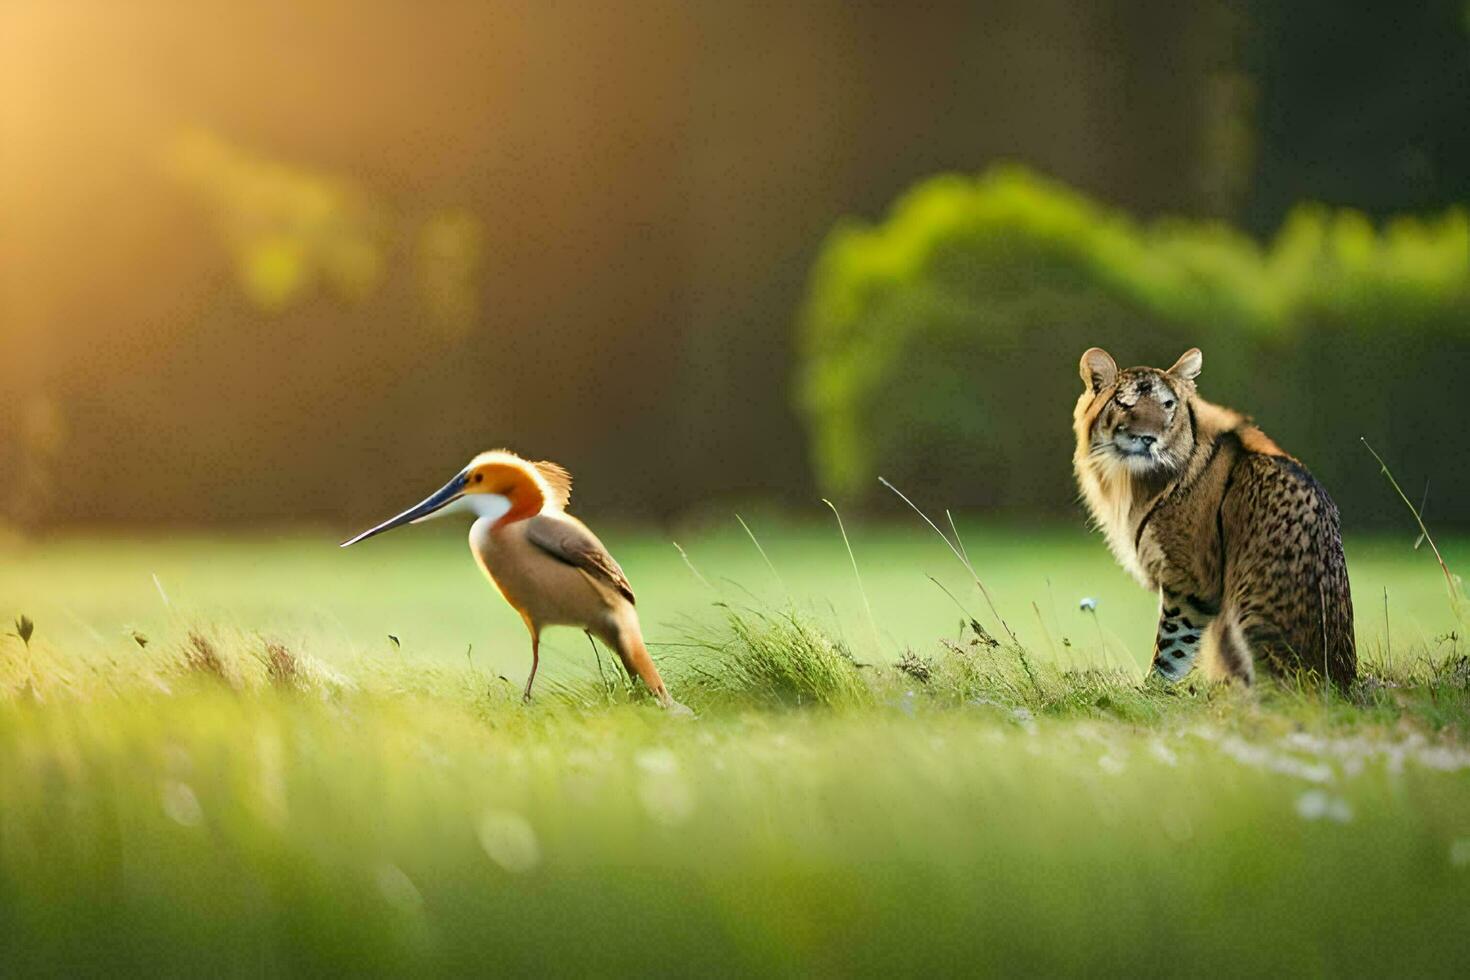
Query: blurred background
[(287, 262)]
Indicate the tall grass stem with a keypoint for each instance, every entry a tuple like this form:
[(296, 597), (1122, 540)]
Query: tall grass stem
[(1448, 577), (958, 554), (769, 564), (867, 606)]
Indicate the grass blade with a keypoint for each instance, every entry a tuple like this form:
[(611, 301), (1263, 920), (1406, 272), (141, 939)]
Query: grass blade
[(958, 554), (769, 563), (867, 607), (1448, 576)]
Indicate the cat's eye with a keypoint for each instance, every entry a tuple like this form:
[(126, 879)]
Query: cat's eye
[(1169, 403)]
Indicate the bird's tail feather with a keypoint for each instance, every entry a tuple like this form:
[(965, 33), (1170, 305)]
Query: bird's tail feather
[(639, 663)]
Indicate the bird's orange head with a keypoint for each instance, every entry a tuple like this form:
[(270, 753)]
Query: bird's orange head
[(498, 486)]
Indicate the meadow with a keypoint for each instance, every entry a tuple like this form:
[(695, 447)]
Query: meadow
[(261, 754)]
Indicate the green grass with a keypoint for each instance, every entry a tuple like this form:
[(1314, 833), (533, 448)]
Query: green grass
[(271, 786), (420, 584)]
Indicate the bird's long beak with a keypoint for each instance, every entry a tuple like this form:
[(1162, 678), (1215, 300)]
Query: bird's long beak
[(441, 498)]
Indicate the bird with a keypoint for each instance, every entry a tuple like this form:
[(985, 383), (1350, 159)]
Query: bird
[(547, 565)]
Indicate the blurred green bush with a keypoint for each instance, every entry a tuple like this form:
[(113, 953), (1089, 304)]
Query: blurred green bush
[(939, 347)]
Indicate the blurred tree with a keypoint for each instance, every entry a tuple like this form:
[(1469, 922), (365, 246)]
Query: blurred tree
[(578, 229), (940, 344), (290, 230)]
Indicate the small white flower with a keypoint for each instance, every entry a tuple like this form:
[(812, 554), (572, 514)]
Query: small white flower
[(1312, 806), (659, 761), (181, 805), (1164, 754), (1088, 604), (663, 788), (510, 841), (1317, 805)]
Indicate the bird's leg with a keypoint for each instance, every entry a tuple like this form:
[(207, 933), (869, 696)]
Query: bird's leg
[(535, 662), (600, 675)]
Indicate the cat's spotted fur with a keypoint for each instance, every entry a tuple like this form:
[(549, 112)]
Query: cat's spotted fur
[(1241, 543)]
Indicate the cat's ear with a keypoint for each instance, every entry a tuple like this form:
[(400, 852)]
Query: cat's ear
[(1188, 365), (1098, 369)]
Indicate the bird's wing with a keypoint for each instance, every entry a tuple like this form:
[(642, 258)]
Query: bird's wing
[(567, 539)]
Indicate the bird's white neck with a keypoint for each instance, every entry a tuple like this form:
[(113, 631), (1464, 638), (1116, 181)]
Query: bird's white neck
[(485, 506)]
